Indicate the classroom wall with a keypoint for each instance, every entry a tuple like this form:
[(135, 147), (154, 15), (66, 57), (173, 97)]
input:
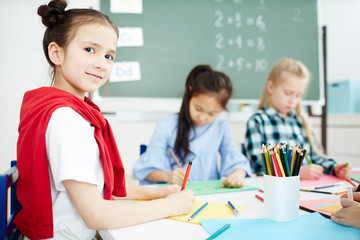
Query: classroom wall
[(23, 67)]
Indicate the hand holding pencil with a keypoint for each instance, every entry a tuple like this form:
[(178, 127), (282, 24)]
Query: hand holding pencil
[(178, 174), (342, 170)]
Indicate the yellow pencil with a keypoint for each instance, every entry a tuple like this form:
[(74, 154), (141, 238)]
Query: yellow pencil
[(280, 164)]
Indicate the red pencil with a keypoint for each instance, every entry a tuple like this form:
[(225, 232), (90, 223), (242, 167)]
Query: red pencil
[(350, 182), (258, 197), (186, 175)]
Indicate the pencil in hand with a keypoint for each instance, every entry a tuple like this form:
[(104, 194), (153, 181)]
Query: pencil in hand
[(174, 157)]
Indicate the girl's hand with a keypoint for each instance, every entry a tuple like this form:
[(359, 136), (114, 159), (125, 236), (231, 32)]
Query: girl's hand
[(177, 176), (349, 215), (311, 171), (341, 171), (180, 202), (235, 179)]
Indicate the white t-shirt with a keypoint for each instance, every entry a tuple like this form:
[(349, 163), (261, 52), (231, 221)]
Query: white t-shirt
[(73, 154)]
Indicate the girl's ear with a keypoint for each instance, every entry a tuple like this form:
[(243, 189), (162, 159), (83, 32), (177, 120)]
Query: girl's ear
[(55, 53), (270, 87)]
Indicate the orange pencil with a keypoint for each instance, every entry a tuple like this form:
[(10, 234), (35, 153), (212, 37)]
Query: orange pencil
[(186, 175)]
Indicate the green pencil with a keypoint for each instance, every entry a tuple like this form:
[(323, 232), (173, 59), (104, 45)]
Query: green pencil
[(308, 159)]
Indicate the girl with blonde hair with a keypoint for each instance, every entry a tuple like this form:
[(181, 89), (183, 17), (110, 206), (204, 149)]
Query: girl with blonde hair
[(280, 118)]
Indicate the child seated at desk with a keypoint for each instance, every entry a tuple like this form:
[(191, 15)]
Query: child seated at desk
[(280, 118), (69, 165), (195, 134)]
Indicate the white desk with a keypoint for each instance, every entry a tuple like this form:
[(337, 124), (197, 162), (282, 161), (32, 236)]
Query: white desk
[(172, 229)]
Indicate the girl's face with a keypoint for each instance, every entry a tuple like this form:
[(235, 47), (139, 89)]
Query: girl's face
[(86, 62), (286, 96), (204, 109)]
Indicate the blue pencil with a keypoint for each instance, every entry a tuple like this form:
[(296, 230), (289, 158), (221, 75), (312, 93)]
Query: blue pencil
[(237, 213), (218, 232), (197, 211)]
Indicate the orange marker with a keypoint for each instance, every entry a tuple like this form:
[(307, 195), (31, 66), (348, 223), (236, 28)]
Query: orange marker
[(186, 175)]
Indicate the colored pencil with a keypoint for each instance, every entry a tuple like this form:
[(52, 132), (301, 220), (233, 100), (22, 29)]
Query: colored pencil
[(264, 161), (271, 166), (237, 213), (260, 198), (326, 186), (315, 191), (218, 232), (339, 193), (308, 159), (358, 182), (358, 188), (280, 165), (174, 157), (293, 160), (348, 180), (186, 175), (274, 163), (197, 211)]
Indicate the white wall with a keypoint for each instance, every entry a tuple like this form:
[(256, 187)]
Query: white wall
[(23, 66)]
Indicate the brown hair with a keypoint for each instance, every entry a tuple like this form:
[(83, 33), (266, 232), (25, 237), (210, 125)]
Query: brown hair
[(277, 75), (62, 25)]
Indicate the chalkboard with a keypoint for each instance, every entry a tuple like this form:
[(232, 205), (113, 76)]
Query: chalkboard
[(162, 40)]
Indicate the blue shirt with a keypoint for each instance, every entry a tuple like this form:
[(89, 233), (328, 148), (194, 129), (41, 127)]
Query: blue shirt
[(206, 142), (267, 126)]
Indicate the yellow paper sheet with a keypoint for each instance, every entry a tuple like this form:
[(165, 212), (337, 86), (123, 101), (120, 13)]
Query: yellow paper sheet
[(214, 210), (332, 208)]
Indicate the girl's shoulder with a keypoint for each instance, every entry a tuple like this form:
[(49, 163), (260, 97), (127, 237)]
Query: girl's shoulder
[(168, 122), (259, 114)]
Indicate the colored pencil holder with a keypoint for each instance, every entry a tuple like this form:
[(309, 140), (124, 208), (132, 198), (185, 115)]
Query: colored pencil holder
[(281, 198)]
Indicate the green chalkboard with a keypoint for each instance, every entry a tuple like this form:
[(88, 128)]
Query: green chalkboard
[(242, 38)]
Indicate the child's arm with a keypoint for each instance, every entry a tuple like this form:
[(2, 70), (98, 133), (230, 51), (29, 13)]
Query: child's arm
[(175, 177), (148, 192), (98, 213), (349, 215), (157, 157)]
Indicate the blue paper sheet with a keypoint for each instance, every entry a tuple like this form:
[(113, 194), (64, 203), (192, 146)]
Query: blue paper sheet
[(309, 226)]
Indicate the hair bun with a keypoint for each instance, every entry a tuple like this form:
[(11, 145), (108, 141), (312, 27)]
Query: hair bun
[(52, 13)]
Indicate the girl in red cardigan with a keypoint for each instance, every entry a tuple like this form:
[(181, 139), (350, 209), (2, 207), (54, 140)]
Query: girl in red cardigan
[(69, 165)]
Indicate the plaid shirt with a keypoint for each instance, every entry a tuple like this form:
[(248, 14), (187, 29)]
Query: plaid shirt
[(267, 126)]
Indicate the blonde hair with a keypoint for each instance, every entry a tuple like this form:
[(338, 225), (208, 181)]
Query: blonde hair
[(277, 75)]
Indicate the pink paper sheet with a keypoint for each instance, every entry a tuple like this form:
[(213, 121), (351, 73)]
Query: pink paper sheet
[(323, 180)]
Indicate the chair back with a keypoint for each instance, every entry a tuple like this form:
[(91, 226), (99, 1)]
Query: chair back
[(142, 148), (8, 229)]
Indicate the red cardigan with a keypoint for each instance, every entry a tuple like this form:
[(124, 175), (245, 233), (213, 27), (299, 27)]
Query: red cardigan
[(35, 220)]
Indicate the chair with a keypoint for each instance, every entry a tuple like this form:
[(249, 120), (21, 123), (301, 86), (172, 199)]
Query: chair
[(243, 149), (8, 230), (142, 148)]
